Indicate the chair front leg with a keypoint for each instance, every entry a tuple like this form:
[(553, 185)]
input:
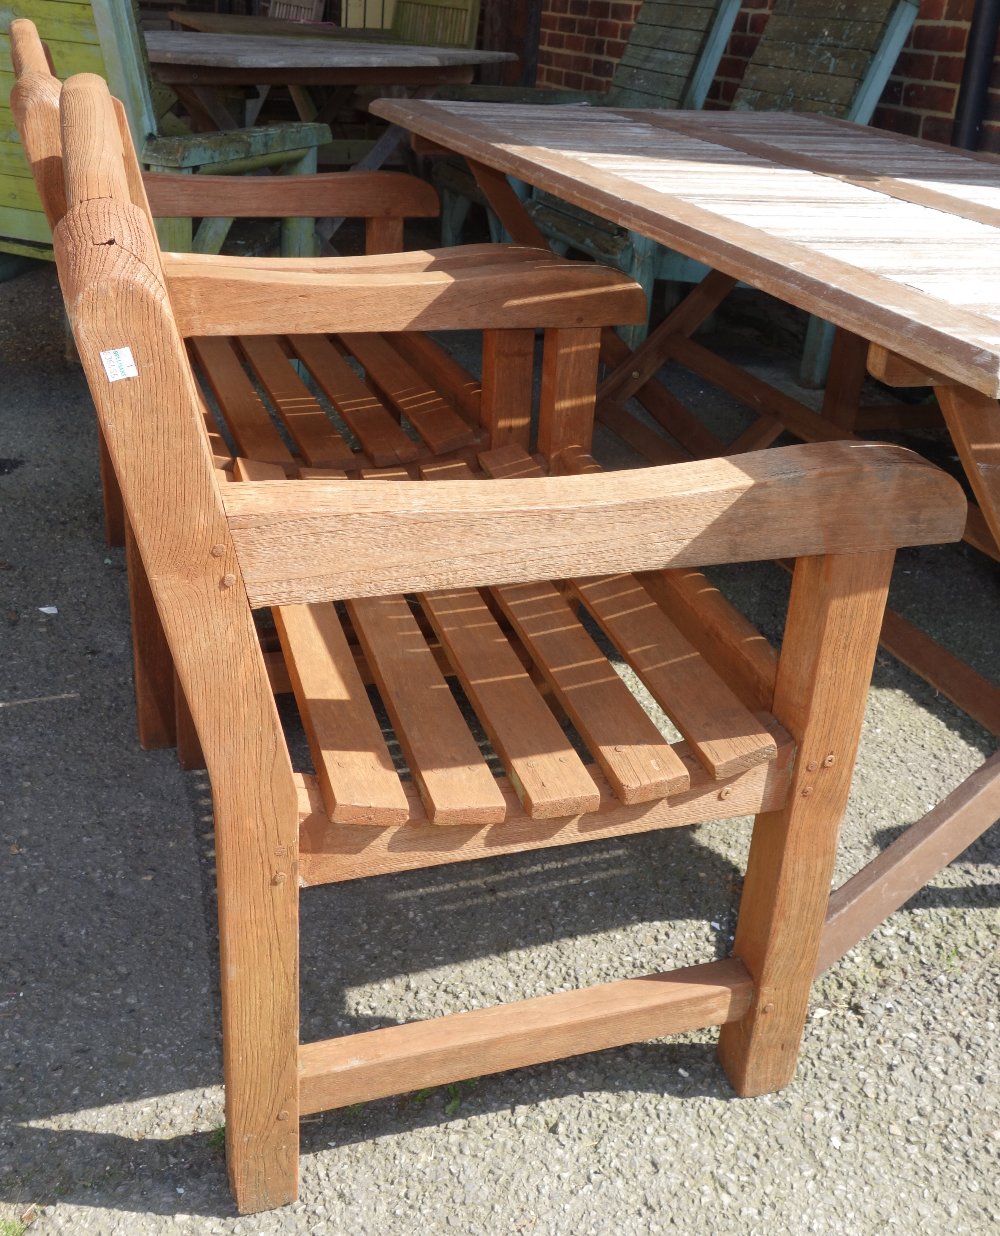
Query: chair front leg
[(258, 947), (831, 636)]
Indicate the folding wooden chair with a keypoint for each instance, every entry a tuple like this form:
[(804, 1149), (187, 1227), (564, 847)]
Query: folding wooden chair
[(447, 579)]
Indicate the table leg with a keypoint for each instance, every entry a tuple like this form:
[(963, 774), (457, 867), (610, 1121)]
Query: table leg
[(973, 421)]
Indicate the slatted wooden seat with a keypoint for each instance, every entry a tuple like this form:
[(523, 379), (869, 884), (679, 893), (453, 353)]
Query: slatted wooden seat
[(445, 580)]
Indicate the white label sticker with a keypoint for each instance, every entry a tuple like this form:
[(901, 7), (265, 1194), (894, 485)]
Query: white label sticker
[(118, 364)]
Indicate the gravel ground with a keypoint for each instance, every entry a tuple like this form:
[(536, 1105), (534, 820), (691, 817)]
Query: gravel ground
[(111, 1097)]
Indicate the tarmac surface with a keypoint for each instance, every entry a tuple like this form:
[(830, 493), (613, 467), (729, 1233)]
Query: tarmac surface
[(110, 1073)]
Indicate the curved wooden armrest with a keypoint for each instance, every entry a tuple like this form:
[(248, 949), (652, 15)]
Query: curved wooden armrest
[(354, 195), (307, 541), (442, 289), (183, 269)]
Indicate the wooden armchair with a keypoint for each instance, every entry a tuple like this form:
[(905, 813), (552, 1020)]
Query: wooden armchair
[(407, 585)]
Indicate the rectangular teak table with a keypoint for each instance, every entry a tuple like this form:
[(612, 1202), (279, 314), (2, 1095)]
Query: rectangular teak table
[(895, 241)]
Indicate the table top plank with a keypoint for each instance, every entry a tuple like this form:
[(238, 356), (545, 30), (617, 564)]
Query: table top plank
[(283, 53), (801, 207)]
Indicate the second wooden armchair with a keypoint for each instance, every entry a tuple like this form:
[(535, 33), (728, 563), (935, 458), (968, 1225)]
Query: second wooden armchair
[(410, 584)]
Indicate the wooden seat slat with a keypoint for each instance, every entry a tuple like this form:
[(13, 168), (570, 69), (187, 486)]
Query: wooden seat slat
[(723, 733), (635, 757), (414, 398), (243, 411), (354, 769), (726, 737), (365, 415), (455, 782), (318, 441), (549, 777)]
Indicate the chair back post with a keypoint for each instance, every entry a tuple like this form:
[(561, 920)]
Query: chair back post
[(149, 410)]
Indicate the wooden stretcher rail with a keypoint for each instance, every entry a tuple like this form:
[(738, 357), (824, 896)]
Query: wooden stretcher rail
[(338, 1072)]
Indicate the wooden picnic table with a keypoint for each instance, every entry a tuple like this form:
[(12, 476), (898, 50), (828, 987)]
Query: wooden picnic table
[(895, 241), (181, 57), (197, 65)]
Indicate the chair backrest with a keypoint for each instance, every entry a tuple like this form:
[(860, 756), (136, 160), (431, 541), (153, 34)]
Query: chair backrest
[(297, 10), (101, 37), (672, 53), (833, 59), (436, 23)]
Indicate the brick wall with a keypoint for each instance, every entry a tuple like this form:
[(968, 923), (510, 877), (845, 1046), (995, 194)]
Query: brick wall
[(581, 41)]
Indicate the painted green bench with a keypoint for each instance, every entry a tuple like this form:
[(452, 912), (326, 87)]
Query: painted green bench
[(103, 37)]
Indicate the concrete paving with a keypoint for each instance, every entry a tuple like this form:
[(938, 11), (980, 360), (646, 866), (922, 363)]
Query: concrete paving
[(110, 1094)]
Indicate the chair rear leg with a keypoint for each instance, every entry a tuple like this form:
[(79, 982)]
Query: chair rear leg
[(827, 656), (153, 666)]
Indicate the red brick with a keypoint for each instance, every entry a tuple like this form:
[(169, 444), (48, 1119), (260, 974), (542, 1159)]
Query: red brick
[(898, 121), (959, 10), (741, 46), (730, 68), (925, 98), (940, 38), (574, 81), (892, 94), (936, 129), (932, 10), (948, 69), (915, 65)]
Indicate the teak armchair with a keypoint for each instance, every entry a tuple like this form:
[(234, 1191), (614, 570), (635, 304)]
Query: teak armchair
[(447, 579)]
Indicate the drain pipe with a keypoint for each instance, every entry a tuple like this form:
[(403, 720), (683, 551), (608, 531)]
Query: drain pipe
[(976, 74)]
